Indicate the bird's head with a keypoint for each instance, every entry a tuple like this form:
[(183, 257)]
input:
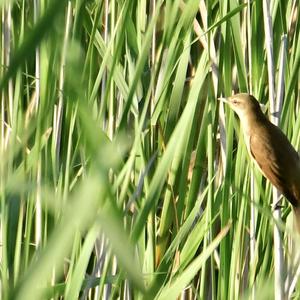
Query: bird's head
[(242, 104)]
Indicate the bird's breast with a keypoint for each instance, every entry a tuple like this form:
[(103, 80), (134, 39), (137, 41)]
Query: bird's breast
[(247, 137)]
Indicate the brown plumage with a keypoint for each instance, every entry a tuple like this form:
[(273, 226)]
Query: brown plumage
[(269, 147)]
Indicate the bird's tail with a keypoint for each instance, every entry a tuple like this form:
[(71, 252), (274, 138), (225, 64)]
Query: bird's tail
[(296, 218)]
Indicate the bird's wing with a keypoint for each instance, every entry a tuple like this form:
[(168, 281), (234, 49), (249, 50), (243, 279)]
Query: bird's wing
[(270, 155), (263, 154)]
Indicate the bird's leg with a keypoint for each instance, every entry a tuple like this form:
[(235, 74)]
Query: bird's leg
[(277, 205)]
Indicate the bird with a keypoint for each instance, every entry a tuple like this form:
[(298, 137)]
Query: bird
[(269, 148)]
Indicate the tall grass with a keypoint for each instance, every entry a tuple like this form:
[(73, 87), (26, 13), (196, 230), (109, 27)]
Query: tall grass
[(121, 175)]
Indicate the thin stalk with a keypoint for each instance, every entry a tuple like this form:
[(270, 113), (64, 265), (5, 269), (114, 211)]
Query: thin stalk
[(278, 248), (280, 80), (58, 113), (38, 211), (252, 184)]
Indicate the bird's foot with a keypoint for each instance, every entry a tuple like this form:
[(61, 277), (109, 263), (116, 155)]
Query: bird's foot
[(277, 205)]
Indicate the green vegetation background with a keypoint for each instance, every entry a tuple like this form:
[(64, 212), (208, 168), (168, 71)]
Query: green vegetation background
[(102, 106)]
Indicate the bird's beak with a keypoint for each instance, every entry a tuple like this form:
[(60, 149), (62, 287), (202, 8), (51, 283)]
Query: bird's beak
[(223, 100)]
